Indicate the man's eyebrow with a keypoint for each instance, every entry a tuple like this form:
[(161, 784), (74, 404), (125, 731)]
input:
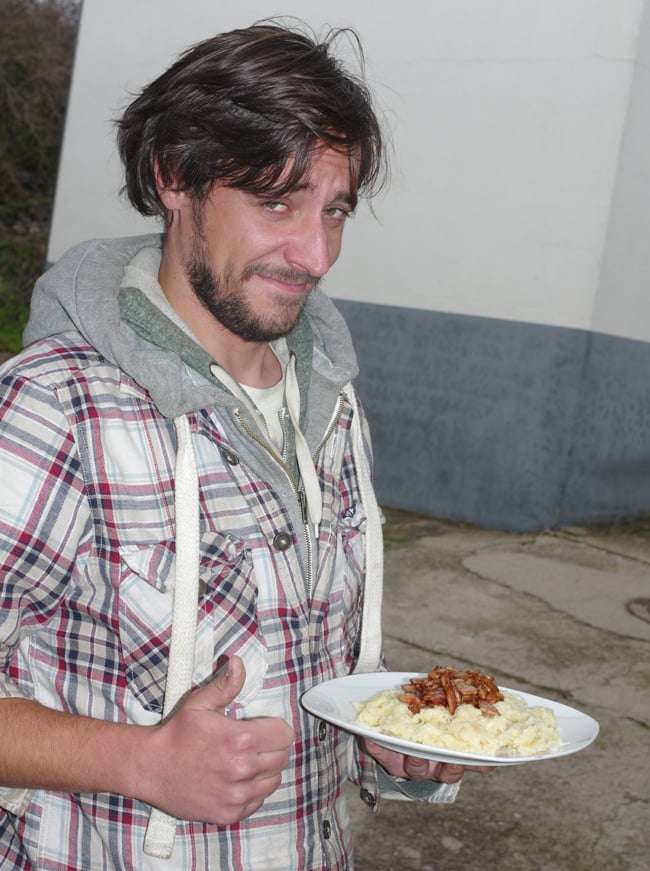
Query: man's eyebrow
[(344, 195)]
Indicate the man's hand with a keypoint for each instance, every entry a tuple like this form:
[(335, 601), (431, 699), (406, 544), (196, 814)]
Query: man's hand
[(205, 766), (415, 768), (197, 765)]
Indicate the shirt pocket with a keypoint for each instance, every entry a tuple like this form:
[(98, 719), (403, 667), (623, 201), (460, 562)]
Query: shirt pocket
[(226, 616), (345, 563)]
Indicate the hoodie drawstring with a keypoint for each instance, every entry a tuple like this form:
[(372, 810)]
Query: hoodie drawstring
[(161, 829), (370, 644), (308, 474)]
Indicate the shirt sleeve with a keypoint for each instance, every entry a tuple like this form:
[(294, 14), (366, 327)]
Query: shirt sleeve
[(43, 516), (40, 528)]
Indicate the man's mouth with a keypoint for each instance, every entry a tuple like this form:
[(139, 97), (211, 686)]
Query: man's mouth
[(292, 281)]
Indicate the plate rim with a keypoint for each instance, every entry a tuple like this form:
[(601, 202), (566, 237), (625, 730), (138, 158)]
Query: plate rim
[(442, 754)]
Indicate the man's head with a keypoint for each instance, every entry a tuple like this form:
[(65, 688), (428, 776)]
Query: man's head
[(254, 147), (247, 109)]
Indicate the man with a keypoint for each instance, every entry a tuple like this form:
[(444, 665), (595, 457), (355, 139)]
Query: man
[(187, 524)]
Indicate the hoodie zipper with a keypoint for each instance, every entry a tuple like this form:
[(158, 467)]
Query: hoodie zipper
[(330, 428), (299, 492)]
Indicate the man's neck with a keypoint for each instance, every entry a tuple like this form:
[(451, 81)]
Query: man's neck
[(255, 366)]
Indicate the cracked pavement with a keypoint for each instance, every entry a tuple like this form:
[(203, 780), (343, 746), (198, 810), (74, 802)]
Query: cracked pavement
[(546, 614)]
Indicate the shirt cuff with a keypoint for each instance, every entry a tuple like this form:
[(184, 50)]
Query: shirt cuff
[(16, 801), (398, 788)]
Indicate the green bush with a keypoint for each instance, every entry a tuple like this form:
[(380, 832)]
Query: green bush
[(21, 260), (13, 317), (37, 40)]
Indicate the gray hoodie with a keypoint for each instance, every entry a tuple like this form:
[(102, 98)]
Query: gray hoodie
[(82, 292)]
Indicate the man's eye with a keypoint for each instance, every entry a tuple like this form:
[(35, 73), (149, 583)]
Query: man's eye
[(275, 206), (338, 213)]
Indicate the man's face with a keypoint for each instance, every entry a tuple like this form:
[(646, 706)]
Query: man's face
[(253, 260)]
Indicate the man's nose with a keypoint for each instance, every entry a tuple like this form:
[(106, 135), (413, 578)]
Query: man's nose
[(313, 247)]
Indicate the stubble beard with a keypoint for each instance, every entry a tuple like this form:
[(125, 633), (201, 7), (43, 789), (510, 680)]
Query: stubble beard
[(224, 296)]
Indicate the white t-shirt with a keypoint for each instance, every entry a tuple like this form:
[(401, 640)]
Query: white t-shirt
[(269, 401)]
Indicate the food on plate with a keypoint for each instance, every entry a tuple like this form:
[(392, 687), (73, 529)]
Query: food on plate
[(450, 688), (463, 711)]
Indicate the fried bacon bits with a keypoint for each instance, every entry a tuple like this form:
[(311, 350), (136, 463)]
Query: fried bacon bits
[(448, 687)]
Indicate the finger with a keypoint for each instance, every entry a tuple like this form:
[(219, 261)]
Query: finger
[(271, 734), (375, 750), (251, 808), (416, 768), (236, 813), (256, 793), (255, 754), (264, 766), (451, 773)]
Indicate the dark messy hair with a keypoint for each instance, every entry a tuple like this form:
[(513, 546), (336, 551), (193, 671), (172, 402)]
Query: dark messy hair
[(243, 107)]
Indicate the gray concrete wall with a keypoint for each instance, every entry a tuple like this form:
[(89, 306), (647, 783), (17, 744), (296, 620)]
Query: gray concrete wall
[(504, 424)]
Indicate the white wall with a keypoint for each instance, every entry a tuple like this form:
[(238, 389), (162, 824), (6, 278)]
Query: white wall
[(508, 119), (622, 304)]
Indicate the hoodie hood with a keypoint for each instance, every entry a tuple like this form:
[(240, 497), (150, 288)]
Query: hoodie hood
[(81, 292)]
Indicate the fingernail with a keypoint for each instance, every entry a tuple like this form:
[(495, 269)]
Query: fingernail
[(223, 666)]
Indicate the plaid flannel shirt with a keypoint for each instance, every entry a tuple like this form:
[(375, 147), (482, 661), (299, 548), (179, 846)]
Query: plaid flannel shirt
[(86, 554)]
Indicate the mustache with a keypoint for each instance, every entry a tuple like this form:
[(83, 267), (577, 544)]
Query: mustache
[(286, 275)]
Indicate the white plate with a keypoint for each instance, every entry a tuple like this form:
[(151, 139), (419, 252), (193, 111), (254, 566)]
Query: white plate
[(334, 701)]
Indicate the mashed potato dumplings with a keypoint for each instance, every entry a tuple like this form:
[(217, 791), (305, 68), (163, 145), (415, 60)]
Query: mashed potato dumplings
[(518, 731)]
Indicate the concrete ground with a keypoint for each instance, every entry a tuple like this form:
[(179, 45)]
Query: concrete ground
[(563, 614)]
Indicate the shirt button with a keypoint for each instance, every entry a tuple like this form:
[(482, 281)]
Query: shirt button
[(229, 457), (282, 541), (368, 798), (327, 830), (322, 730)]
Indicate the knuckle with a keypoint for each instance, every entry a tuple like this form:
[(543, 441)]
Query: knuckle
[(246, 769), (242, 743)]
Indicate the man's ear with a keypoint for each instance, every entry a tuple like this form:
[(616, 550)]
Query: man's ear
[(171, 197)]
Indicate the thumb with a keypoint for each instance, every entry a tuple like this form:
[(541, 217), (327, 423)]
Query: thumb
[(223, 689)]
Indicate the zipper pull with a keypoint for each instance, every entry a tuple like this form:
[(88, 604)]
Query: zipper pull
[(302, 499)]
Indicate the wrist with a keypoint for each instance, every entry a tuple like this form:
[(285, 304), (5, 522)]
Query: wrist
[(138, 758)]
